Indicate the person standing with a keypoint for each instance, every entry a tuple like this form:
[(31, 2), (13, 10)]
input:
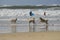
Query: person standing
[(31, 14)]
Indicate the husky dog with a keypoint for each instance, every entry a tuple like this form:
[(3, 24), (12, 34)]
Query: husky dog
[(43, 20)]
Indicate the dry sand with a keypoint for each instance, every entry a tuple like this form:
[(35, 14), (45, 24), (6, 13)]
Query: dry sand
[(31, 36)]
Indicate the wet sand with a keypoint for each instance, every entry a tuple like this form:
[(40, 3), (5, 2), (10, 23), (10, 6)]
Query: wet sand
[(31, 36)]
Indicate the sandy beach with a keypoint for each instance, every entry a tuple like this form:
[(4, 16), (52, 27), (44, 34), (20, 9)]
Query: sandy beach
[(31, 36)]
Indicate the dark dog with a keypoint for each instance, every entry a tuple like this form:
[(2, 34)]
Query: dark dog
[(43, 20)]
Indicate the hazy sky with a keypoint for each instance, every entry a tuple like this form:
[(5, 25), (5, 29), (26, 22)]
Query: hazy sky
[(28, 2)]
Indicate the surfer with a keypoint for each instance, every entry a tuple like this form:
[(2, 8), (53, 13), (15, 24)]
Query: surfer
[(31, 14)]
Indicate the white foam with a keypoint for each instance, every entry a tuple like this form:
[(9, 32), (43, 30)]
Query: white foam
[(25, 12)]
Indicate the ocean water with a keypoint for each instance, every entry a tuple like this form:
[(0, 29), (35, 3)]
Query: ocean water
[(22, 15)]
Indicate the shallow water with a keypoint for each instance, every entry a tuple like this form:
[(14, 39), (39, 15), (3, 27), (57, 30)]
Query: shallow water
[(52, 16)]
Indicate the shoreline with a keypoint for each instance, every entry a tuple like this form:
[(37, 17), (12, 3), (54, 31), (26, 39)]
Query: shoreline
[(31, 36)]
